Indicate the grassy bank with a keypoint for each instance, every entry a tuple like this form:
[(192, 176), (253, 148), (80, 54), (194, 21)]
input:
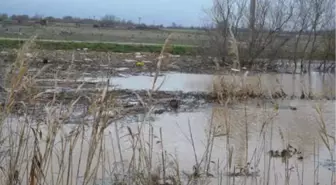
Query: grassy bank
[(155, 48), (99, 46)]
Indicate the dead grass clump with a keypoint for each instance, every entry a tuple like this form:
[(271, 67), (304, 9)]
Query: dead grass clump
[(20, 85), (237, 88)]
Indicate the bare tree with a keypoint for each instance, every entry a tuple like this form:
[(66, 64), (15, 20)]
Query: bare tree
[(226, 18), (301, 25), (268, 30)]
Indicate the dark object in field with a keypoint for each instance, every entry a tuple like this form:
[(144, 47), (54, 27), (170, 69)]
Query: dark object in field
[(160, 111), (45, 61), (174, 104), (274, 153), (2, 105), (128, 105), (2, 89), (258, 105), (96, 26), (303, 96), (292, 108), (44, 22), (285, 153)]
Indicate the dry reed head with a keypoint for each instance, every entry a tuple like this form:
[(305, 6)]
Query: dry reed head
[(160, 61), (234, 87), (21, 84)]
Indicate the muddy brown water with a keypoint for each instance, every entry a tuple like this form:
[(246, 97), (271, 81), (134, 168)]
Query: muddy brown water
[(299, 128), (319, 84)]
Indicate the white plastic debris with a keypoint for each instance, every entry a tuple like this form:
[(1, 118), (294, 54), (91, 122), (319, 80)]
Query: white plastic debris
[(129, 60), (29, 55), (235, 70)]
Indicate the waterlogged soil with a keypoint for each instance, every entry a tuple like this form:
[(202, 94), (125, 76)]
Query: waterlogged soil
[(112, 64), (269, 128), (192, 91), (120, 64)]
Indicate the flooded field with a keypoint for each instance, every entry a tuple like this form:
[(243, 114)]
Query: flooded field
[(85, 133), (320, 84), (185, 139)]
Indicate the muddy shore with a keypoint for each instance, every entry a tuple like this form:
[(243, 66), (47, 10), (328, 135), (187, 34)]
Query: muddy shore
[(112, 64), (120, 64), (68, 67)]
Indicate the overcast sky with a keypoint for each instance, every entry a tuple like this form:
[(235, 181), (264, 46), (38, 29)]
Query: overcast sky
[(185, 12)]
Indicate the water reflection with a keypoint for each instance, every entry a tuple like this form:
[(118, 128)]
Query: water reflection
[(318, 84), (266, 130), (250, 132)]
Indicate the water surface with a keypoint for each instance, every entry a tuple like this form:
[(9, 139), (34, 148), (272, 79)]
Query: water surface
[(267, 129), (319, 84)]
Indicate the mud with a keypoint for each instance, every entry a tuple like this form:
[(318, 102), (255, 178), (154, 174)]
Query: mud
[(112, 63)]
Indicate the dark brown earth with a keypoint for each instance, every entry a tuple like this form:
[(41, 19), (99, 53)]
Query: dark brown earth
[(70, 65), (98, 63)]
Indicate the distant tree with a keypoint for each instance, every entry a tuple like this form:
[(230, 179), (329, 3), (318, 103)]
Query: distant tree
[(109, 20), (50, 18), (129, 22), (3, 17), (37, 17), (44, 22), (67, 18), (20, 18)]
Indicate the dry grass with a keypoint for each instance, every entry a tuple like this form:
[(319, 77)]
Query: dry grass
[(240, 87)]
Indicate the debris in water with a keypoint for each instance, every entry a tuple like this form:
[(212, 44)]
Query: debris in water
[(285, 153), (129, 60), (121, 68), (302, 95), (329, 164), (235, 70), (160, 111), (292, 108), (174, 104), (140, 64)]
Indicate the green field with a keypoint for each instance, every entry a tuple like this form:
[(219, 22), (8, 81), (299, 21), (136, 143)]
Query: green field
[(184, 42), (98, 46)]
